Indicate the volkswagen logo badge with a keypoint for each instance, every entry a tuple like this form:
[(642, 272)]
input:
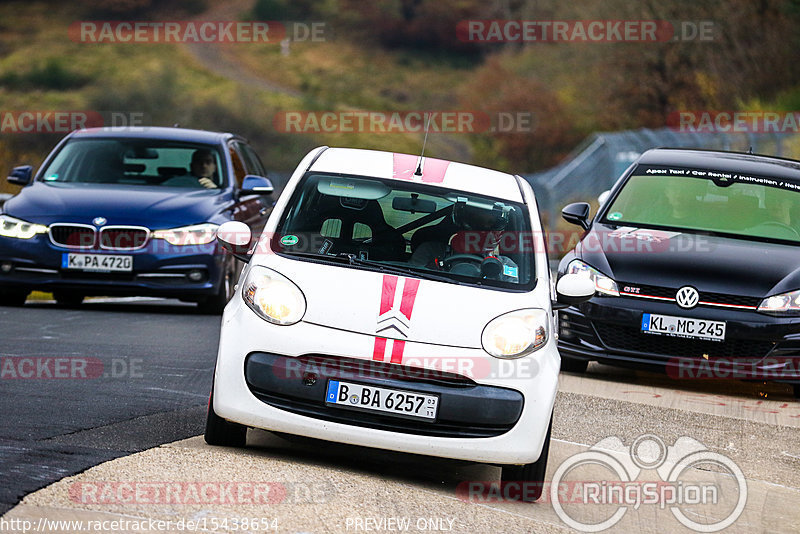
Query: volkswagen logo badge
[(687, 297), (99, 221)]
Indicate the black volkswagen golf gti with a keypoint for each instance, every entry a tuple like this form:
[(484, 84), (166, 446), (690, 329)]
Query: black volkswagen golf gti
[(695, 257)]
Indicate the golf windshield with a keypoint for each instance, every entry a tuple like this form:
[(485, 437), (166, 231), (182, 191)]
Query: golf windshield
[(704, 200), (435, 232)]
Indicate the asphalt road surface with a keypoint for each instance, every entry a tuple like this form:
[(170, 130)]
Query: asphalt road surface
[(52, 428), (83, 385)]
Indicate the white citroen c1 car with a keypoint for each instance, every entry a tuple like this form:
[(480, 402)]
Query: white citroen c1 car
[(396, 302)]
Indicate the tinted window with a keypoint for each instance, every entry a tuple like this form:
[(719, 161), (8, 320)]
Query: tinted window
[(711, 201), (130, 162), (466, 237)]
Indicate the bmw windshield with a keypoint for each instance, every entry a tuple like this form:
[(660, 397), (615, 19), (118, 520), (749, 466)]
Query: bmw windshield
[(409, 228), (136, 162), (703, 200)]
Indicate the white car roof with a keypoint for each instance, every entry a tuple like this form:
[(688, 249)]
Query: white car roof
[(395, 166)]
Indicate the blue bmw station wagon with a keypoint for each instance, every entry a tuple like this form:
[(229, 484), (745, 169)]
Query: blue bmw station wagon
[(123, 212)]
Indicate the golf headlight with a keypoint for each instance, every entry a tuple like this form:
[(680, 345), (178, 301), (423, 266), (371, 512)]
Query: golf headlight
[(197, 234), (783, 304), (273, 296), (516, 334), (13, 227), (602, 283)]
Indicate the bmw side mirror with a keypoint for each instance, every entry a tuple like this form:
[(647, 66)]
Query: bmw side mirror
[(577, 213), (256, 185), (235, 236), (571, 290), (21, 175)]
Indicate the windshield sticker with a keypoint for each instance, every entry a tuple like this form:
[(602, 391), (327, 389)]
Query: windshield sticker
[(654, 236), (51, 177), (721, 178), (289, 240), (614, 216), (326, 246), (510, 271), (342, 185)]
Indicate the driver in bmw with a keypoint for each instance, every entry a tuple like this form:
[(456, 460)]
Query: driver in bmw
[(474, 250)]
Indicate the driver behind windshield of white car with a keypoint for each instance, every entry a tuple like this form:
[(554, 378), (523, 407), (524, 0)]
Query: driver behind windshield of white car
[(202, 171), (474, 250)]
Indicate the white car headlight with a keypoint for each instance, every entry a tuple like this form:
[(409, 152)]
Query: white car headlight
[(273, 296), (516, 334), (13, 227), (196, 234), (602, 283), (783, 304)]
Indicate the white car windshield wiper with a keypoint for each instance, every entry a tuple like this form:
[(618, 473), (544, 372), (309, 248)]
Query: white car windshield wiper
[(397, 269), (352, 259)]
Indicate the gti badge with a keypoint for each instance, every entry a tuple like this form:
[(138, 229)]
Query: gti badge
[(99, 221), (687, 297)]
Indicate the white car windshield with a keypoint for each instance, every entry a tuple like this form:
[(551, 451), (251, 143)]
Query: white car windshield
[(372, 223)]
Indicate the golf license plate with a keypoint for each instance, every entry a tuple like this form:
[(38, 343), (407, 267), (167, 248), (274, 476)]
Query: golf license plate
[(686, 327), (97, 262), (377, 399)]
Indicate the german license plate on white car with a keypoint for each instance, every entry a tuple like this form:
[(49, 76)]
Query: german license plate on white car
[(376, 399), (683, 327), (97, 262)]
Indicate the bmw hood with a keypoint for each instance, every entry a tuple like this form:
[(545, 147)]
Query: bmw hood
[(709, 263), (398, 307), (154, 207)]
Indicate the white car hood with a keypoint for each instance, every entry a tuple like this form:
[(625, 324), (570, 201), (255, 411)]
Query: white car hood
[(399, 307)]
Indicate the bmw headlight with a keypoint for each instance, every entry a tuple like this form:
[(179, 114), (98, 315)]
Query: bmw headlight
[(783, 304), (273, 296), (196, 234), (516, 334), (602, 283), (13, 227)]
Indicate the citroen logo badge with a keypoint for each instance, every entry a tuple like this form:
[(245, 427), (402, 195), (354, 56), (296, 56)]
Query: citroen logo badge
[(99, 221), (687, 297)]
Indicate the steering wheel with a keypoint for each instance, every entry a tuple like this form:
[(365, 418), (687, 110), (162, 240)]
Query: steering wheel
[(455, 258), (780, 225)]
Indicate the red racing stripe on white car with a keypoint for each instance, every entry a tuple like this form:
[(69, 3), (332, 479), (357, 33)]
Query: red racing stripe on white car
[(410, 288), (397, 351), (404, 166), (433, 170), (380, 349), (387, 293), (394, 316)]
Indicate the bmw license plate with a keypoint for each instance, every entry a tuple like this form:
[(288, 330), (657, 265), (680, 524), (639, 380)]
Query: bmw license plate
[(97, 262), (376, 399), (683, 327)]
